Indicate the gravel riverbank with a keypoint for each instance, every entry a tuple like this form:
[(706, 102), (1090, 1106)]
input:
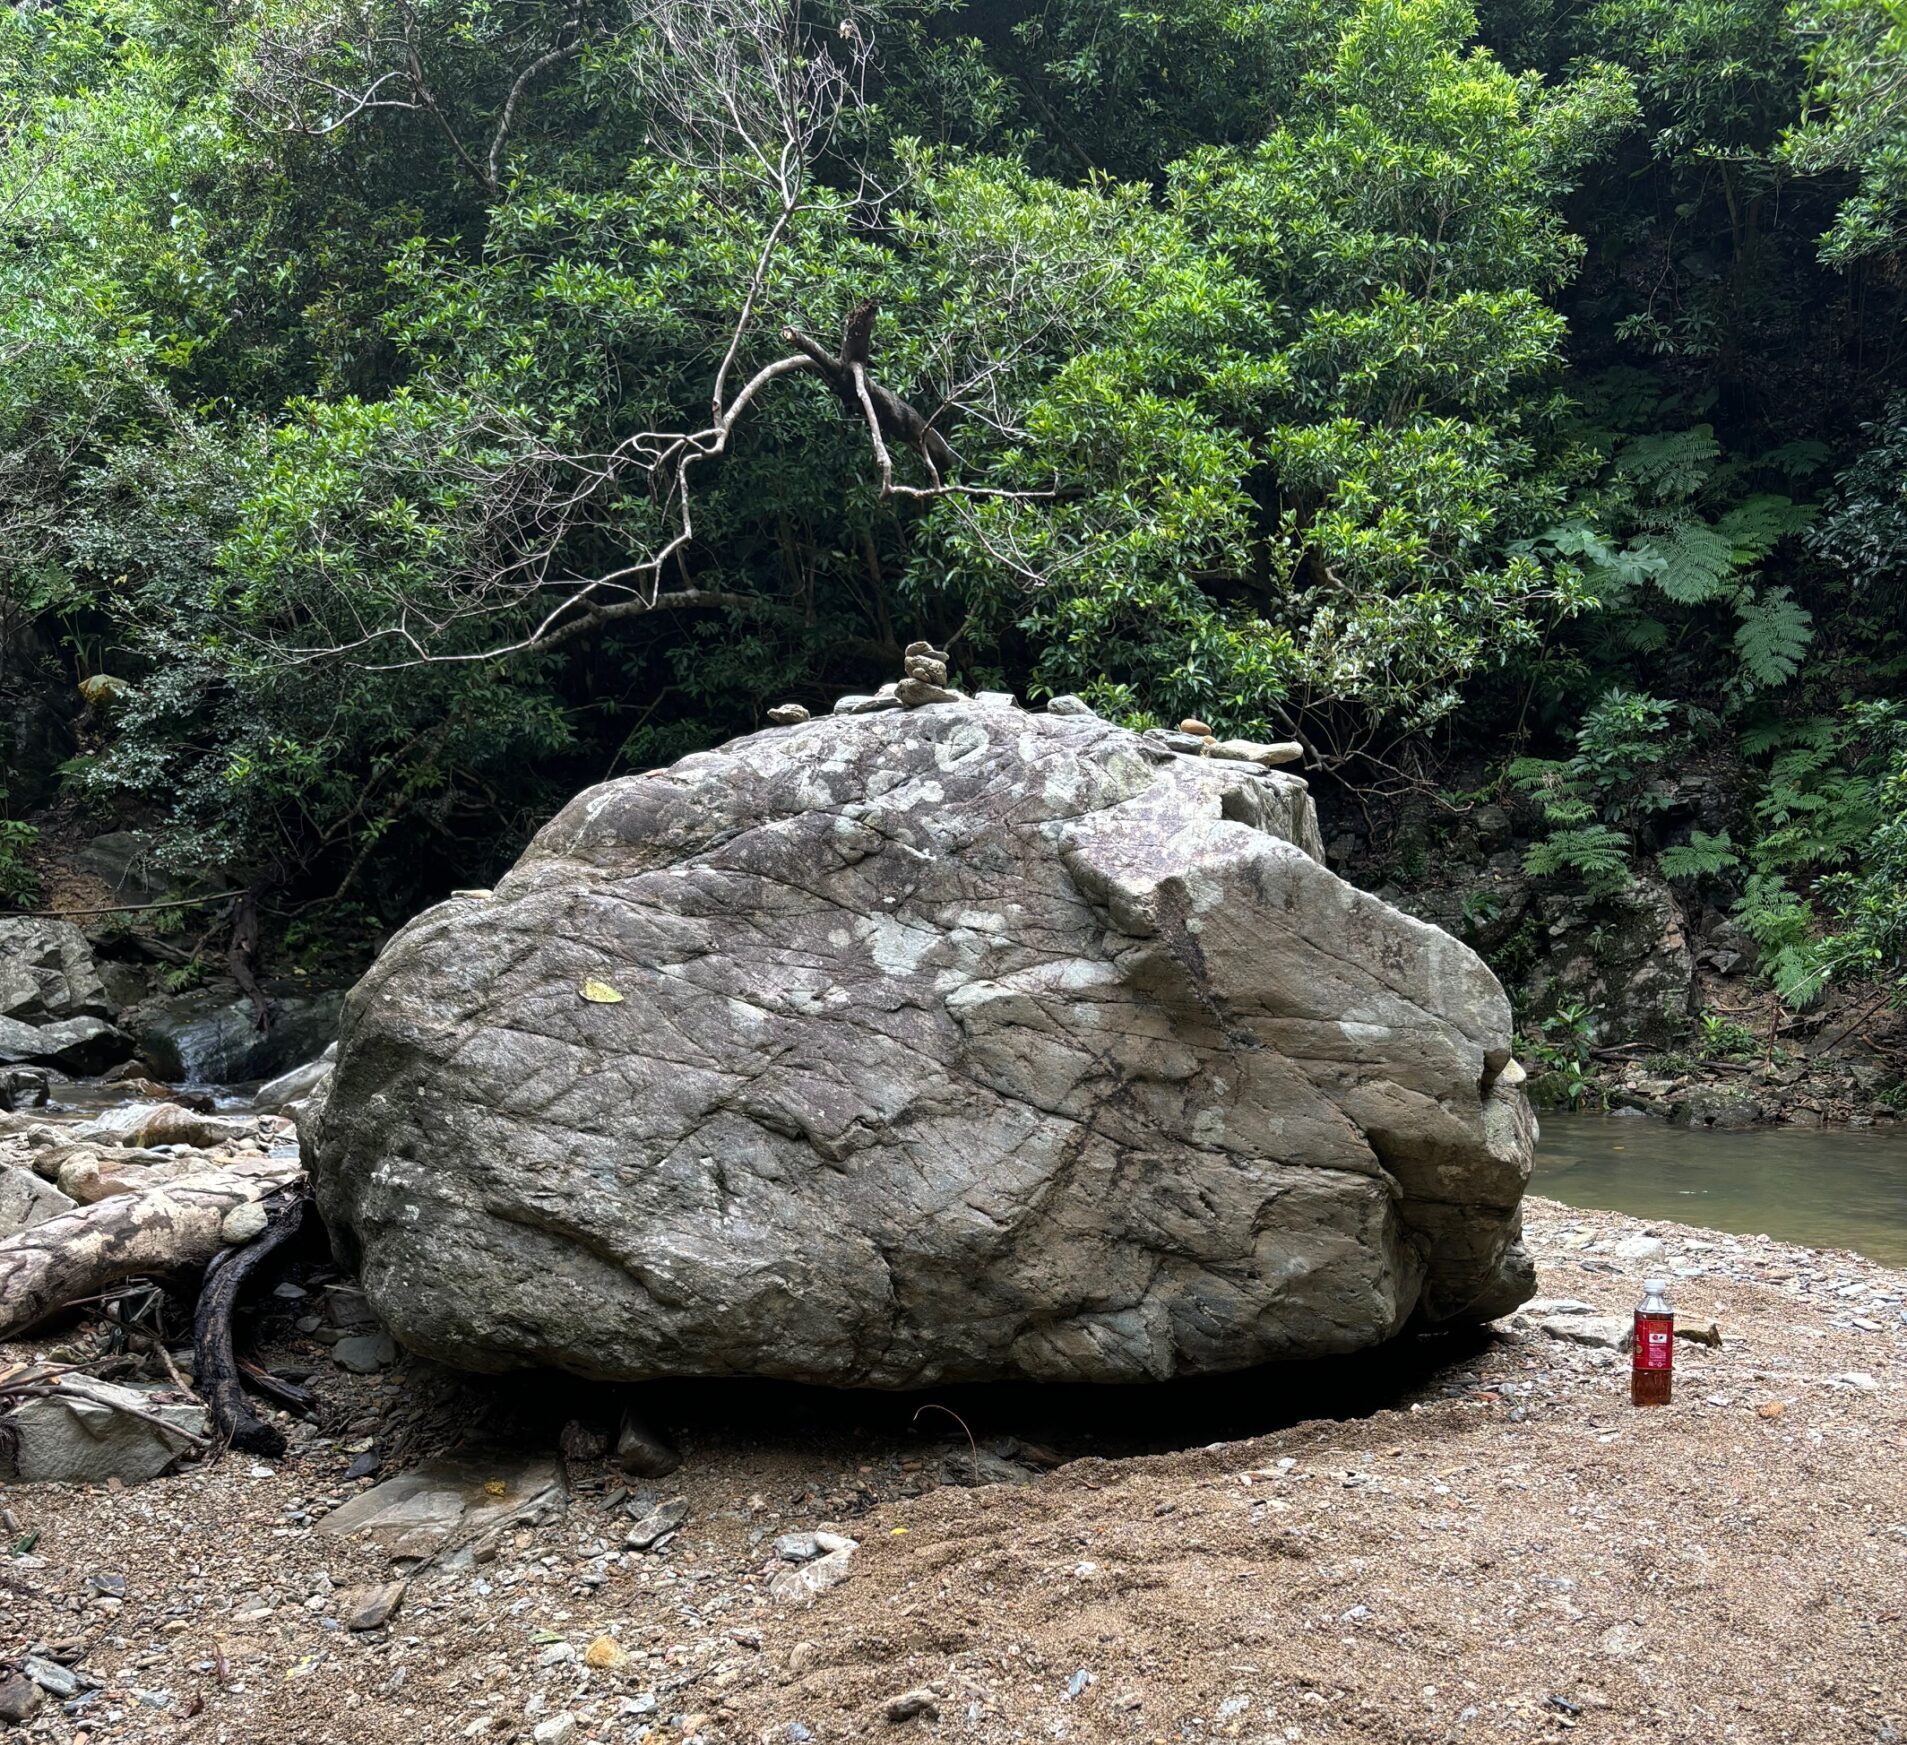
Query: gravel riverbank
[(1505, 1550)]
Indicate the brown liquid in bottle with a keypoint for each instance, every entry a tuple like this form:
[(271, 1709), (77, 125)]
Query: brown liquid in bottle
[(1651, 1376)]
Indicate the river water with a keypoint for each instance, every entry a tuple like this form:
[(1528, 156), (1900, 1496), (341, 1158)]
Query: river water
[(1827, 1187)]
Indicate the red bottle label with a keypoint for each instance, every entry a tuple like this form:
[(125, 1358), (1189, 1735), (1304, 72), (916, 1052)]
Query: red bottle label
[(1655, 1341)]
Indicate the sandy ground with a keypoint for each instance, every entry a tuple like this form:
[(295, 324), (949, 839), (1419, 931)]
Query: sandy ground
[(1503, 1549)]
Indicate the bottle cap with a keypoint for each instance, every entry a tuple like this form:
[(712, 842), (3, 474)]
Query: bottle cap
[(1655, 1287)]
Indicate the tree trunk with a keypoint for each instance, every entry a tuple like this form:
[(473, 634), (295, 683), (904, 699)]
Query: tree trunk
[(83, 1252)]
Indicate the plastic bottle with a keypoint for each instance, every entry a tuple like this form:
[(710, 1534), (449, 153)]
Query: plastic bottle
[(1652, 1376)]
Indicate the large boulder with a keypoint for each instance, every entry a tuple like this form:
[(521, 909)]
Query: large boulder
[(917, 1046), (47, 972), (1626, 957), (211, 1036), (73, 1045)]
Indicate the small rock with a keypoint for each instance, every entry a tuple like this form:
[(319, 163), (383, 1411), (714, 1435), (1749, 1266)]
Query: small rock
[(26, 1087), (1193, 725), (642, 1451), (66, 1438), (26, 1200), (917, 693), (787, 714), (579, 1442), (365, 1353), (1068, 705), (861, 705), (368, 1608), (911, 1703), (800, 1586), (1636, 1248), (926, 649), (20, 1698), (451, 1501), (927, 669), (1858, 1380), (1542, 1307), (51, 1677), (605, 1654), (1605, 1331), (660, 1521), (996, 699), (1770, 1409), (797, 1548), (243, 1223), (1255, 751), (557, 1730), (1620, 1641)]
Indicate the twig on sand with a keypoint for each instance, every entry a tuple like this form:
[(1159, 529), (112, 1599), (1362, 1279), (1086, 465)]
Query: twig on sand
[(931, 1406)]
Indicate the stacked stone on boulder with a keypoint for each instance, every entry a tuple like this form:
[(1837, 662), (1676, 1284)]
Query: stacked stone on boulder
[(918, 1044)]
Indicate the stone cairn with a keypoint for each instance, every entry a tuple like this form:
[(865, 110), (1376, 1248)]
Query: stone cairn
[(924, 682)]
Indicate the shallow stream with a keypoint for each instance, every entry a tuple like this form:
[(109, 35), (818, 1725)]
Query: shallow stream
[(1830, 1187)]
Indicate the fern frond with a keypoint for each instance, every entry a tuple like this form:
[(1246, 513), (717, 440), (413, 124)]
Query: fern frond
[(1697, 563), (1593, 852), (1772, 636), (1642, 634), (1702, 856), (1756, 526), (1671, 467)]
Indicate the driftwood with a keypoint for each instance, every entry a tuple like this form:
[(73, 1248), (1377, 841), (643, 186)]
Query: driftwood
[(171, 1228), (220, 1379), (276, 1389)]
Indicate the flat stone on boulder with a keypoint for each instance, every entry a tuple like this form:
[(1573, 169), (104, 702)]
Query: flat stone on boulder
[(955, 1043)]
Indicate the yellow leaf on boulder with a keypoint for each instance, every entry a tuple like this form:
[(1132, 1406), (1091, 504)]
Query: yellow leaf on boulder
[(600, 993)]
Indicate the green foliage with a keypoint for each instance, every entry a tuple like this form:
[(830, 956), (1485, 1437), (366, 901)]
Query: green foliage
[(1353, 370), (1817, 807), (1562, 1048), (1864, 527), (1867, 940), (1857, 119), (19, 883), (1722, 1038), (1666, 531), (1593, 800), (1702, 856), (1593, 853)]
